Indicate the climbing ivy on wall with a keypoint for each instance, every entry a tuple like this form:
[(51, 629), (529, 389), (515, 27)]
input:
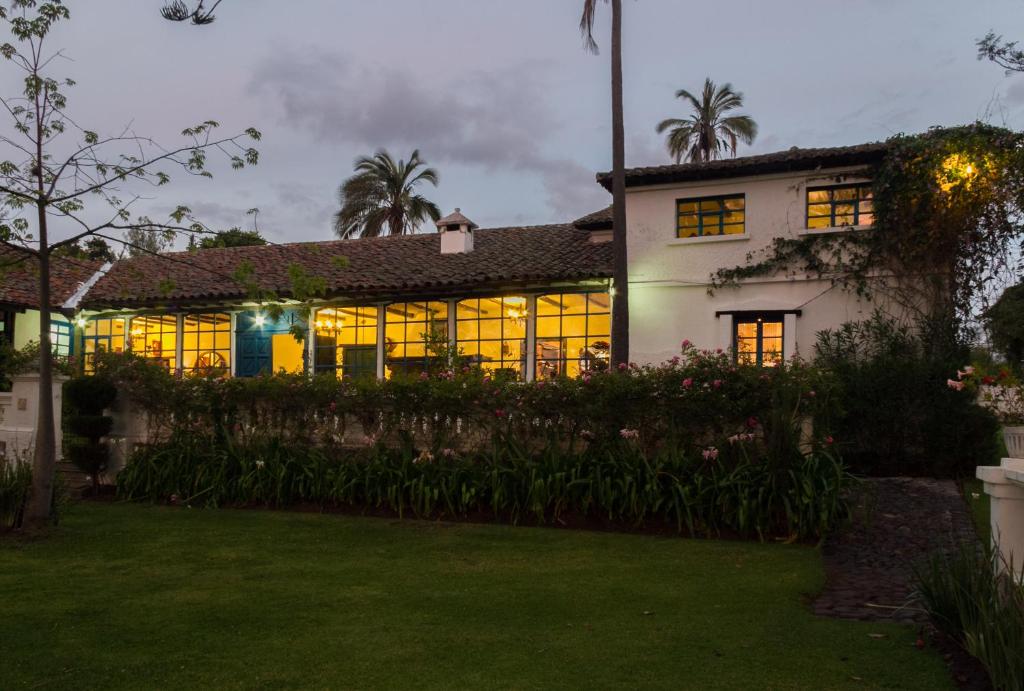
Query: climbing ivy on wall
[(948, 224)]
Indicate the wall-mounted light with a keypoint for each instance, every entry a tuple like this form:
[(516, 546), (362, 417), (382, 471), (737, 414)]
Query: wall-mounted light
[(260, 320), (80, 322)]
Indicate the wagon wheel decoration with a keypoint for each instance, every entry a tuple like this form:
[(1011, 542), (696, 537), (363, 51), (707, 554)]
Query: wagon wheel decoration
[(211, 359)]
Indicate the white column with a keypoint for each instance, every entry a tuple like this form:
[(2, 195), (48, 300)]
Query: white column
[(531, 337), (789, 343), (725, 330), (231, 342), (1005, 486), (179, 346), (311, 342), (382, 312)]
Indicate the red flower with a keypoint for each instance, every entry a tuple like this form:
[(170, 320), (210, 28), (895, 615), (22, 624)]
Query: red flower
[(988, 379), (499, 413), (829, 439), (752, 422)]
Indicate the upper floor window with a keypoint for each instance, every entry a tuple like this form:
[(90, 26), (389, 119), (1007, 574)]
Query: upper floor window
[(706, 216), (840, 206)]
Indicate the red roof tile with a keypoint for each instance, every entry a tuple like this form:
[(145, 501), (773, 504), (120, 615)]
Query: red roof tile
[(19, 277), (790, 160), (410, 264)]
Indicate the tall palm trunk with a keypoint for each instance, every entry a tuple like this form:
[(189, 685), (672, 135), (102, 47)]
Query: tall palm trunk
[(620, 268)]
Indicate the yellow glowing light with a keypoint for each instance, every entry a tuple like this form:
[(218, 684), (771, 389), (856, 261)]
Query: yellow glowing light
[(137, 332), (956, 170), (81, 323), (260, 320), (319, 324)]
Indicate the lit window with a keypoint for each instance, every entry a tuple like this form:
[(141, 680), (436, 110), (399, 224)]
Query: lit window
[(840, 206), (155, 338), (758, 340), (206, 343), (573, 334), (104, 335), (346, 341), (707, 216), (60, 337), (491, 333), (414, 334)]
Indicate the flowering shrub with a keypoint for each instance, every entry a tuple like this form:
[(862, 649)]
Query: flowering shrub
[(1000, 391), (694, 401)]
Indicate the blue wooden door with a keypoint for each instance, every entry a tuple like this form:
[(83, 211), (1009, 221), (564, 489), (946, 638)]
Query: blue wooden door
[(254, 342)]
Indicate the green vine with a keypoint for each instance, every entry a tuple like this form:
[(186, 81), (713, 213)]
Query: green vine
[(947, 218)]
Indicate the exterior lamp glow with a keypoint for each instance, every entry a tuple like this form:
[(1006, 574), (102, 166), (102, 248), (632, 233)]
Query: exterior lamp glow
[(260, 320), (80, 322)]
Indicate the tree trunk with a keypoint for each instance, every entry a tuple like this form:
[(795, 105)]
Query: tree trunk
[(620, 270), (44, 464)]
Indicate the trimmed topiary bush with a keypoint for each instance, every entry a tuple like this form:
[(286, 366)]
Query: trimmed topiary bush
[(87, 398)]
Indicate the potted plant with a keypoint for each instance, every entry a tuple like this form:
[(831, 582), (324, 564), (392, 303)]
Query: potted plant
[(1003, 394)]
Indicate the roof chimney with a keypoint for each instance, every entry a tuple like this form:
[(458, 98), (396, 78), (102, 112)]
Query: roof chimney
[(456, 233)]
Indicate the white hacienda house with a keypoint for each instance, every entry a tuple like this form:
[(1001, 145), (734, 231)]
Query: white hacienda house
[(531, 301)]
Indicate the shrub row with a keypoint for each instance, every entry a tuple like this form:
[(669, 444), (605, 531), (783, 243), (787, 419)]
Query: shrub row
[(740, 489)]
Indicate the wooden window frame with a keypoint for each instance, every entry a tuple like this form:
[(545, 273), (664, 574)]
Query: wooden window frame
[(338, 368), (430, 322), (720, 215), (563, 361)]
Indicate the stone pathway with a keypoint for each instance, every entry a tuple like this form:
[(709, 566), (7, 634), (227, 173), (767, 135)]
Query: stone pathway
[(869, 567), (897, 522)]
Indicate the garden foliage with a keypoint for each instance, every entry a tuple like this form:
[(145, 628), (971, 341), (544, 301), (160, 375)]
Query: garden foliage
[(699, 443), (979, 608), (87, 398), (896, 413), (15, 484)]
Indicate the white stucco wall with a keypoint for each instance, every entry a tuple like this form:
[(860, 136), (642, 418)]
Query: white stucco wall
[(26, 326), (669, 277)]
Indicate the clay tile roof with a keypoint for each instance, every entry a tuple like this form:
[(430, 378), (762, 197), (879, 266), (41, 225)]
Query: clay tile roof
[(360, 268), (599, 220), (456, 219), (790, 160), (19, 277)]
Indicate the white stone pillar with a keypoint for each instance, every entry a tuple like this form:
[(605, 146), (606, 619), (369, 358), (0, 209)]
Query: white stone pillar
[(18, 427), (725, 332), (789, 343), (1005, 486)]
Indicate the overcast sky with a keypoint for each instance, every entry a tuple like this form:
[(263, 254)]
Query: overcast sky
[(501, 98)]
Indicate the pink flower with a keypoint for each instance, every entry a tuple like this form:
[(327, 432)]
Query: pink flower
[(687, 383), (623, 366), (629, 433), (675, 360), (829, 439), (586, 434), (954, 384), (717, 383), (718, 351), (448, 453), (710, 453), (332, 407), (499, 413), (686, 343), (752, 422)]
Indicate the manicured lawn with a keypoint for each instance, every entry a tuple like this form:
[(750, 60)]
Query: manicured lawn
[(127, 596)]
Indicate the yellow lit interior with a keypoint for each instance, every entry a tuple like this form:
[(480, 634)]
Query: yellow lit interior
[(346, 341), (287, 354), (770, 337), (155, 338), (206, 343), (413, 333), (573, 334), (491, 332), (105, 335)]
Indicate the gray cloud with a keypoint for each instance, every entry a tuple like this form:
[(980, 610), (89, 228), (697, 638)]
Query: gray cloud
[(499, 121)]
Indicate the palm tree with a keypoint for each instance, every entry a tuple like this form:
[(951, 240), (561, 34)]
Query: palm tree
[(380, 198), (620, 264), (709, 132)]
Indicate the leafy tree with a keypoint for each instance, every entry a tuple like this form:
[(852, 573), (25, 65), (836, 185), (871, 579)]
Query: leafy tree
[(620, 266), (143, 241), (178, 11), (236, 237), (1005, 323), (709, 131), (381, 198), (1006, 54), (93, 249), (54, 170)]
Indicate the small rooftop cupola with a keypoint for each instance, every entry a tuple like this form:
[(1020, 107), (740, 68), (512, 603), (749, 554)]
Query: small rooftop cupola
[(456, 233)]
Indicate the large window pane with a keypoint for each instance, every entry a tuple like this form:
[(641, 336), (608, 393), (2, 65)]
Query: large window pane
[(416, 333), (491, 332), (346, 341), (206, 343), (155, 338), (573, 337), (104, 335)]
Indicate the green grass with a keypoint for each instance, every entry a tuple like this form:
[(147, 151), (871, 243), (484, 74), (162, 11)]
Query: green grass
[(129, 596)]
